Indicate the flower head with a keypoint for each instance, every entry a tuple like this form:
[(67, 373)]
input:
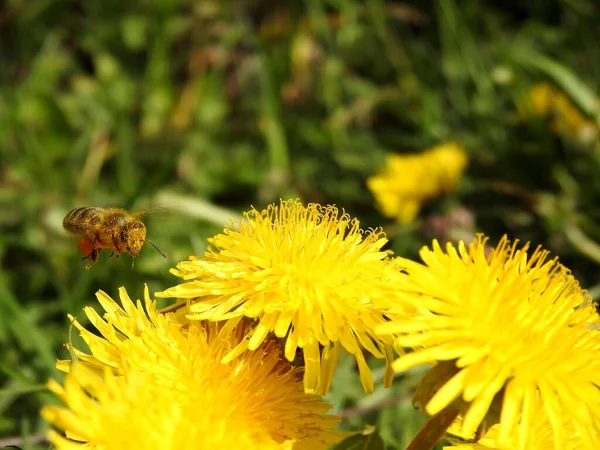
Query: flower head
[(407, 181), (540, 431), (153, 381), (307, 274), (505, 328)]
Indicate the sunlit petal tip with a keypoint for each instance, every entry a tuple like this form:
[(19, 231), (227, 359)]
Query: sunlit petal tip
[(147, 298), (167, 293), (123, 295), (108, 304), (75, 322), (50, 413), (255, 341), (55, 387), (63, 365)]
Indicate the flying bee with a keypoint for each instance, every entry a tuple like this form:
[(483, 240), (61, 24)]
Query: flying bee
[(112, 228)]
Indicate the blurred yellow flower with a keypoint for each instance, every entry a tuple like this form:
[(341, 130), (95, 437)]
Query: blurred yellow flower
[(545, 100), (408, 181), (155, 382), (307, 274), (504, 327)]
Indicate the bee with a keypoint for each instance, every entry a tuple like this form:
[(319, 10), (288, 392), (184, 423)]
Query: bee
[(112, 228)]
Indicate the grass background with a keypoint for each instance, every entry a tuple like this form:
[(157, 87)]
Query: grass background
[(208, 107)]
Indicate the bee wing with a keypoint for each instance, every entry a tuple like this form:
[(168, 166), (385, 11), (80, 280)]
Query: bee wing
[(158, 211)]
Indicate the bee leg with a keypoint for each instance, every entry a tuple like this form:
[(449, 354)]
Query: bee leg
[(90, 254), (118, 255), (112, 253), (93, 257)]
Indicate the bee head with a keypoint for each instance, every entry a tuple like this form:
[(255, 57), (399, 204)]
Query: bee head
[(134, 236)]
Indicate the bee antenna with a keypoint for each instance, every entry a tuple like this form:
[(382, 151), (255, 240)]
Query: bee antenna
[(157, 249)]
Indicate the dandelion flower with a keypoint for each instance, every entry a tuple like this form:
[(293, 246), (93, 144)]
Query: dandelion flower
[(544, 100), (309, 275), (408, 181), (153, 381), (541, 435), (504, 328)]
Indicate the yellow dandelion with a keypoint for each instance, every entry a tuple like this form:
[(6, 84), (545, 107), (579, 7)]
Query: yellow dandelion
[(504, 329), (153, 381), (540, 431), (132, 410), (545, 100), (309, 275), (408, 181)]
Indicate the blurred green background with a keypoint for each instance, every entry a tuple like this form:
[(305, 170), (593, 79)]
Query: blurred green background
[(207, 107)]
